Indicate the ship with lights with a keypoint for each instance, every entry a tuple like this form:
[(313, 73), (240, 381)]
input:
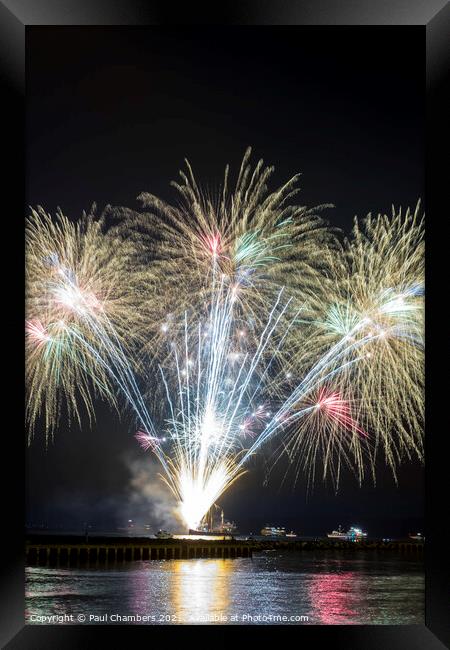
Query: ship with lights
[(222, 527), (273, 531), (353, 534)]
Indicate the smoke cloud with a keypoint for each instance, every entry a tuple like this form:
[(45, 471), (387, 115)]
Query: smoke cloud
[(150, 499)]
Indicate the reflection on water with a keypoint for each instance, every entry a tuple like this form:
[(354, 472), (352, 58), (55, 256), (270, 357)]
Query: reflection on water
[(186, 590), (329, 587), (334, 597), (200, 588), (210, 538)]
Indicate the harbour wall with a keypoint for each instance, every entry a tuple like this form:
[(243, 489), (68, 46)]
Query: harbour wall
[(71, 551), (113, 550)]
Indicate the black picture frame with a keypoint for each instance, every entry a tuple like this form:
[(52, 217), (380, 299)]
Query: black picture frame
[(15, 17)]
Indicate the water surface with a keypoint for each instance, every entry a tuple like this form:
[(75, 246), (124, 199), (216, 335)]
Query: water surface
[(325, 587)]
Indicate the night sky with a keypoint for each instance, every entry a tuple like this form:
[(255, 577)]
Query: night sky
[(112, 113)]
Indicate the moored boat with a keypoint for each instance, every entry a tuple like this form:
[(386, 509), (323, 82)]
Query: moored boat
[(418, 537), (352, 535), (273, 531), (337, 534), (224, 527)]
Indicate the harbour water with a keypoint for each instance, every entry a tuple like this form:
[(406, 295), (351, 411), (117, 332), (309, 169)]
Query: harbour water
[(274, 587)]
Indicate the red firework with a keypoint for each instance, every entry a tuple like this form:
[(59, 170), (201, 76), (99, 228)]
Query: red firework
[(338, 409)]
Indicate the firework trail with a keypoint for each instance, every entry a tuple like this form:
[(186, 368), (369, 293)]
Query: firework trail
[(218, 412), (213, 412)]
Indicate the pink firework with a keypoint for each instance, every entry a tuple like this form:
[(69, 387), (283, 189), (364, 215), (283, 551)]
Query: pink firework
[(212, 243), (261, 414), (338, 409), (245, 428), (147, 441), (36, 332)]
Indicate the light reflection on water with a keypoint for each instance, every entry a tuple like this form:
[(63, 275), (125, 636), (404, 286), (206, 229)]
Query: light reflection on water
[(329, 587), (201, 587)]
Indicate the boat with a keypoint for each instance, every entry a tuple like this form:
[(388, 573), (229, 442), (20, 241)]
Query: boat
[(337, 534), (273, 531), (222, 528), (202, 530), (225, 527), (163, 534), (418, 537), (223, 534), (355, 534), (291, 534), (352, 535)]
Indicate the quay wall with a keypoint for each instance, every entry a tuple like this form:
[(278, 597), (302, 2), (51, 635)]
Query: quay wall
[(72, 550), (112, 550)]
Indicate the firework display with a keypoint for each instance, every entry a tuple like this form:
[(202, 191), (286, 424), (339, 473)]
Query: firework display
[(230, 323)]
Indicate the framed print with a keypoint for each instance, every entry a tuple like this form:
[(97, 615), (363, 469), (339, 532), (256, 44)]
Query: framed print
[(221, 269)]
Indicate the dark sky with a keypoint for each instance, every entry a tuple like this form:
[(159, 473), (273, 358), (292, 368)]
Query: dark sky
[(112, 113)]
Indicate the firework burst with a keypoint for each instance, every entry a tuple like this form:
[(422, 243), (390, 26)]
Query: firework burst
[(80, 296), (373, 297), (326, 436), (245, 236)]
